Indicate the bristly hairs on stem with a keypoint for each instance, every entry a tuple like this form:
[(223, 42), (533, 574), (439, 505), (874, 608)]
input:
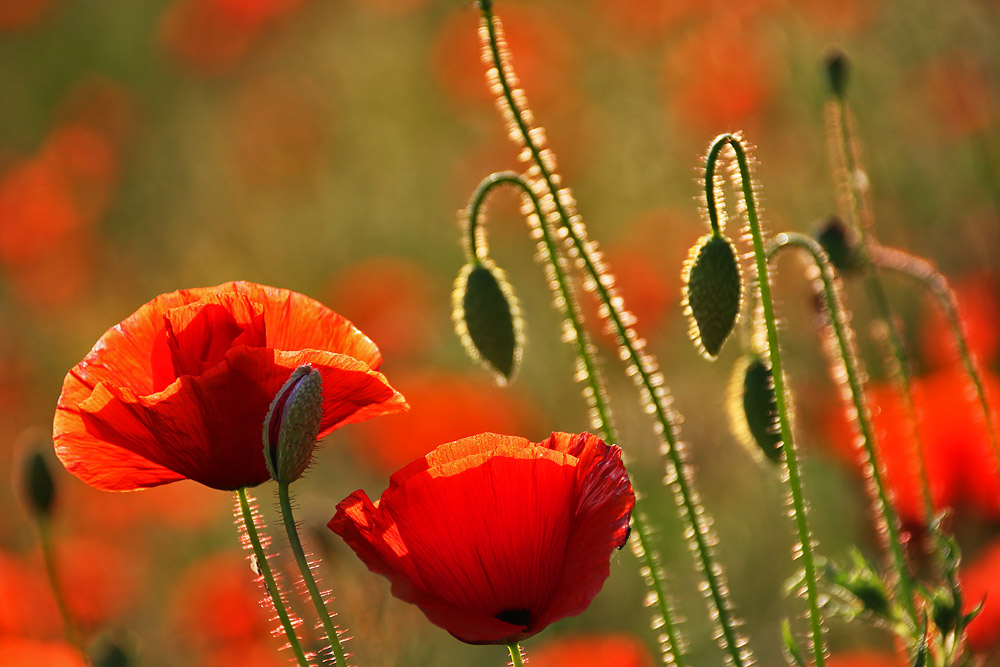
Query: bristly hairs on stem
[(927, 275), (743, 181), (250, 528), (588, 372), (559, 209)]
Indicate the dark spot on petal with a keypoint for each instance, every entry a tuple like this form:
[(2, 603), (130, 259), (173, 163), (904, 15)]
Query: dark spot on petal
[(515, 616), (628, 532)]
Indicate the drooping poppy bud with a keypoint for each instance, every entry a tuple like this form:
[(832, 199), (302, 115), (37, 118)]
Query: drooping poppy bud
[(753, 407), (837, 68), (713, 292), (293, 423), (487, 317), (840, 243), (39, 487)]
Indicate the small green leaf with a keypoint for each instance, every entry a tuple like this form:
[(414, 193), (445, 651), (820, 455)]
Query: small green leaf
[(713, 292), (793, 653), (753, 408), (487, 318)]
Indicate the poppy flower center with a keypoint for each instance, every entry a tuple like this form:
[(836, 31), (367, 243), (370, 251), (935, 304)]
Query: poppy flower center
[(520, 617), (197, 336)]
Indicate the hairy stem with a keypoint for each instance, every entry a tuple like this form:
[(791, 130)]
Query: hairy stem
[(774, 355), (516, 655), (269, 582), (51, 570), (291, 529)]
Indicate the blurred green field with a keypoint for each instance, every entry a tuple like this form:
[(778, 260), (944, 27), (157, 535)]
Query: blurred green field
[(326, 147)]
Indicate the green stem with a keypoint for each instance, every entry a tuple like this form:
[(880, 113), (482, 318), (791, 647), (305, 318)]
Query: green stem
[(923, 271), (516, 659), (859, 214), (774, 353), (269, 582), (476, 249), (291, 529), (51, 571), (699, 534)]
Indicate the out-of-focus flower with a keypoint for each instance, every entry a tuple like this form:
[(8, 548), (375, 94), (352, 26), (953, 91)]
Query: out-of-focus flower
[(394, 300), (22, 14), (719, 76), (24, 652), (28, 609), (960, 463), (215, 603), (180, 389), (446, 408), (210, 37), (619, 650), (543, 58), (866, 659), (962, 94), (495, 537), (980, 580), (979, 309), (845, 16)]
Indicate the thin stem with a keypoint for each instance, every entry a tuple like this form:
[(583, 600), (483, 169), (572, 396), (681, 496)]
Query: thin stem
[(51, 571), (594, 393), (857, 210), (516, 657), (774, 354), (291, 529), (923, 271), (699, 534), (269, 582)]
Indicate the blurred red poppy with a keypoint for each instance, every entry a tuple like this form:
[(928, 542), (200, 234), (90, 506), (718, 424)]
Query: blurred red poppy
[(593, 651), (979, 308), (865, 659), (24, 652), (495, 537), (180, 389), (981, 583)]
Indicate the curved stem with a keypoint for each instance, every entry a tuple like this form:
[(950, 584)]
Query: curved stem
[(699, 534), (51, 571), (774, 354), (475, 249), (857, 210), (269, 582), (291, 529), (923, 271), (516, 657)]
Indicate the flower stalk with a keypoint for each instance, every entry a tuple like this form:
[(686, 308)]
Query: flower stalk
[(516, 655), (774, 355), (559, 210)]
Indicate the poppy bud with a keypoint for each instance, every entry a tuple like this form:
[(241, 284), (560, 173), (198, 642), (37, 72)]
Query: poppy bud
[(837, 68), (487, 317), (753, 407), (293, 423), (840, 244), (713, 292), (39, 488)]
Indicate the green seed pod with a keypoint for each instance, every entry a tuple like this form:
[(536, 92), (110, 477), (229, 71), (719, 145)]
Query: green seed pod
[(292, 424), (713, 292), (39, 487), (753, 408), (487, 318)]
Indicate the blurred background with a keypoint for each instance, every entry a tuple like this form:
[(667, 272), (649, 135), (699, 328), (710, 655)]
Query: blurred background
[(326, 147)]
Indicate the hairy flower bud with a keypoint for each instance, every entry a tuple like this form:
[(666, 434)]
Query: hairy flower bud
[(713, 292), (487, 318), (293, 424)]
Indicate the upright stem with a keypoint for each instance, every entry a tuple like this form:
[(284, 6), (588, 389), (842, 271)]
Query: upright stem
[(594, 392), (51, 570), (923, 271), (516, 659), (699, 532), (265, 570), (291, 529), (774, 353), (859, 213)]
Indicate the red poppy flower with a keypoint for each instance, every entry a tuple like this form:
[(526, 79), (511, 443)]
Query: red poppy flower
[(495, 537), (180, 389), (981, 584), (613, 650)]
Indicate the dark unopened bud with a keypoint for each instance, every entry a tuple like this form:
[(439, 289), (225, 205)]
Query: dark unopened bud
[(713, 292), (487, 318), (944, 612), (292, 424), (837, 68), (39, 488), (840, 243), (753, 408)]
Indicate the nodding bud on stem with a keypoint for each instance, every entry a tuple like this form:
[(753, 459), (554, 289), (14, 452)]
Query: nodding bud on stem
[(837, 68), (39, 487), (487, 318), (713, 292), (753, 408), (292, 424), (840, 242)]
